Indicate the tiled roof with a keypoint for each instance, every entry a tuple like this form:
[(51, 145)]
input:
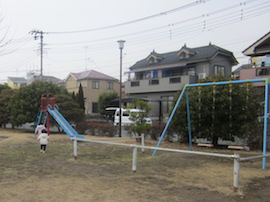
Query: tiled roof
[(201, 53), (260, 47), (245, 66), (18, 80), (91, 74), (47, 79)]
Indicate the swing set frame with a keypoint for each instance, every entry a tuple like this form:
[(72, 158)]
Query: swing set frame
[(184, 90)]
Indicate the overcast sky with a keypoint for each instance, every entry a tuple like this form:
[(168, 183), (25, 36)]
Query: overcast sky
[(81, 35)]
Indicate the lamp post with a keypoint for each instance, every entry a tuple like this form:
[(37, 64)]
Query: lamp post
[(121, 46)]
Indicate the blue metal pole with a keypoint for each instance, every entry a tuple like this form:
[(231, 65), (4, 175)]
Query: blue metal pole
[(189, 125), (265, 124), (226, 82), (169, 121)]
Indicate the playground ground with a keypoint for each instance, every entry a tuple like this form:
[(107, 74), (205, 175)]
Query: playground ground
[(103, 173)]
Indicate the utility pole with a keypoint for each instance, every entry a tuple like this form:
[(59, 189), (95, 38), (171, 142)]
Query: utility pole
[(86, 49), (39, 35)]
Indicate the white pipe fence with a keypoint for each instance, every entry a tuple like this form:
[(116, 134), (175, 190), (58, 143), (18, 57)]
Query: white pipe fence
[(236, 157)]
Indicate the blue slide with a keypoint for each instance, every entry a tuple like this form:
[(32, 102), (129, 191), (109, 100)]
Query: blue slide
[(63, 123)]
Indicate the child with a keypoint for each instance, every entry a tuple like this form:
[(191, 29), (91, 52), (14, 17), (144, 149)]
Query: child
[(39, 128), (43, 140)]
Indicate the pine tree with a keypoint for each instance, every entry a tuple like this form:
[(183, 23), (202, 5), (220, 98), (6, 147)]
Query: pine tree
[(80, 98)]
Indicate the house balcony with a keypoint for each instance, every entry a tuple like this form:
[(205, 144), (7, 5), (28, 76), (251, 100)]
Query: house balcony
[(153, 85), (255, 73)]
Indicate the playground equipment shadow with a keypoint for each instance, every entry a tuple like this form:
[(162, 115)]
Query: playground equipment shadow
[(103, 173)]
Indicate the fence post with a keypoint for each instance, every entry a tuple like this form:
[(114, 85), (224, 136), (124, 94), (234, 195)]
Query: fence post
[(236, 172), (142, 141), (134, 159), (75, 149)]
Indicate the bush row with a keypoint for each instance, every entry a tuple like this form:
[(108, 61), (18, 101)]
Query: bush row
[(109, 130)]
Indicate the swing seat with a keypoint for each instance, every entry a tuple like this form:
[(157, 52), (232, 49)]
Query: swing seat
[(236, 147), (205, 145)]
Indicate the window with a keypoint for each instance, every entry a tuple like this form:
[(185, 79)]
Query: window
[(148, 75), (125, 113), (191, 71), (183, 55), (110, 85), (167, 73), (95, 85), (219, 69), (154, 74), (175, 80), (135, 83), (95, 107), (166, 103), (172, 72), (139, 76), (152, 60), (153, 82), (262, 72)]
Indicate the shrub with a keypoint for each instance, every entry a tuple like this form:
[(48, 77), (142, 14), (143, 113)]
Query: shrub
[(97, 128)]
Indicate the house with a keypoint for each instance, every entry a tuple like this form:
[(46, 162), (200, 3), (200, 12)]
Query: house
[(16, 82), (94, 84), (32, 76), (236, 72), (259, 52), (158, 77)]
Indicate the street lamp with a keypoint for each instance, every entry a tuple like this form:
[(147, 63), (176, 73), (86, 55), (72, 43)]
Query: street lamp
[(121, 46)]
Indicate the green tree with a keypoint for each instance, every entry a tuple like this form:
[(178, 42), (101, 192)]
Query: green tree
[(25, 102), (3, 87), (221, 111), (80, 97), (139, 118), (69, 108), (5, 96), (104, 101)]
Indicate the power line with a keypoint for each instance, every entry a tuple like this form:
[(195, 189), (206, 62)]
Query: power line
[(195, 3), (181, 31), (196, 25), (186, 28)]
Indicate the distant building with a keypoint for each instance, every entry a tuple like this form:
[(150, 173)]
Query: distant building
[(94, 84), (32, 76), (16, 82), (159, 76), (236, 72), (259, 53)]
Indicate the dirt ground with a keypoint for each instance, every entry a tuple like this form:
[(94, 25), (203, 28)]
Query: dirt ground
[(103, 173)]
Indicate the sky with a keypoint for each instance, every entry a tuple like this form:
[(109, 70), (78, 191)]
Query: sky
[(81, 35)]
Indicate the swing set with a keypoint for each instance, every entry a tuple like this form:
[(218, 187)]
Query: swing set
[(214, 84)]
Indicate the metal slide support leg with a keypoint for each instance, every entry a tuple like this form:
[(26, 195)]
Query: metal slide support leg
[(142, 141), (134, 159), (236, 170), (189, 125), (265, 128), (75, 148)]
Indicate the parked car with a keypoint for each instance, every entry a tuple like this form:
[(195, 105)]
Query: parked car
[(126, 115)]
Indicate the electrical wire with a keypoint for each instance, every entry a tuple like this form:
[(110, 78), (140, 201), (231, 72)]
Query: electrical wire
[(195, 3), (181, 29), (222, 22)]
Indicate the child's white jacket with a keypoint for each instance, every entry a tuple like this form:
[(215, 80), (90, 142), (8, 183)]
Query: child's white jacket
[(43, 138)]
